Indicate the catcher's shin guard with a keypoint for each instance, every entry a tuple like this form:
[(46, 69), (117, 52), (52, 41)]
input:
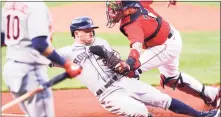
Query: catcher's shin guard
[(189, 85)]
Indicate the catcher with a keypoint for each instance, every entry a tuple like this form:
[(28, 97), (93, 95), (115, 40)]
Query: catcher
[(100, 74), (161, 44)]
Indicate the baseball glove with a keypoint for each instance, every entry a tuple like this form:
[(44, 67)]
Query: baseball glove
[(114, 62)]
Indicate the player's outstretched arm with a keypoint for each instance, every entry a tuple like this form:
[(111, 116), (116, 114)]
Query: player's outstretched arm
[(40, 32), (40, 43), (114, 62)]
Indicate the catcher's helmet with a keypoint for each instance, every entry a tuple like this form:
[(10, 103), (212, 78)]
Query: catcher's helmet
[(81, 23)]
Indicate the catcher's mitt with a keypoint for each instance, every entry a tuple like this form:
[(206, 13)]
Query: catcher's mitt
[(114, 62)]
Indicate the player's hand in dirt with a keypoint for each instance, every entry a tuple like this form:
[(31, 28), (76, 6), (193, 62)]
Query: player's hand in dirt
[(72, 69), (171, 2)]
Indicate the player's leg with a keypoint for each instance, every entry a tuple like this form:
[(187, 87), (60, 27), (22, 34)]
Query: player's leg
[(183, 81), (187, 83), (149, 95), (166, 58), (21, 78), (156, 56), (41, 104), (121, 104), (38, 107), (145, 93)]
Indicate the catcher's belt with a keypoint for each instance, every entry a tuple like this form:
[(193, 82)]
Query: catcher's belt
[(108, 84)]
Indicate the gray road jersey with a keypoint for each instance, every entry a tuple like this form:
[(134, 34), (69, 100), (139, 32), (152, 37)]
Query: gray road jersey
[(25, 54), (95, 73), (20, 28)]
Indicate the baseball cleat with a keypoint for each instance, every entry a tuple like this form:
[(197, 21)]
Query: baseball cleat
[(211, 113)]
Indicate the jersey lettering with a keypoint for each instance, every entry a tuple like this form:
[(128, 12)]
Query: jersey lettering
[(80, 57), (13, 27)]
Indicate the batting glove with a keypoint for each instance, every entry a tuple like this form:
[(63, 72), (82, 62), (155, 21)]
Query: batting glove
[(72, 69)]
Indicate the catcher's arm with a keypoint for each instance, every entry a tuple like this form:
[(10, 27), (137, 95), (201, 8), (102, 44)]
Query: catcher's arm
[(114, 62), (40, 88)]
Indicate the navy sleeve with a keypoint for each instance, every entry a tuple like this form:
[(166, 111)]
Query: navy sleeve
[(2, 39), (40, 43)]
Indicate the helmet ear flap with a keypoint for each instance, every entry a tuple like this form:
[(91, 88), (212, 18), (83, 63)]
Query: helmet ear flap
[(72, 31), (93, 33), (72, 34)]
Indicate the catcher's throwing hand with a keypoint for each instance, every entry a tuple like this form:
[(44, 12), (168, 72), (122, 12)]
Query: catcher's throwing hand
[(72, 69), (122, 68), (171, 2), (115, 63)]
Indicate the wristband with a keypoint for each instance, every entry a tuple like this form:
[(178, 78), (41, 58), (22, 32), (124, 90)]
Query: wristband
[(55, 57)]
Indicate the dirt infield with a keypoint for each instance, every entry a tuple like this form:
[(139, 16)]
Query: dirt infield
[(81, 102)]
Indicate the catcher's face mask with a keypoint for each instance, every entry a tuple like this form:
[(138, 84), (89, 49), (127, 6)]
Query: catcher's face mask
[(114, 12)]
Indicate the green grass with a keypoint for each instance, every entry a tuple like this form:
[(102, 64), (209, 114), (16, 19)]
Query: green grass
[(200, 57), (51, 4), (200, 3), (208, 4), (57, 4)]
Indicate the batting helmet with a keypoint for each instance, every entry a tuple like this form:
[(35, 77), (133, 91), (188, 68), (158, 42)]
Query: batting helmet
[(81, 23)]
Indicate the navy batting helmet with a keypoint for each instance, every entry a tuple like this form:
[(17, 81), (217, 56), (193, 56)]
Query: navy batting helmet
[(81, 23)]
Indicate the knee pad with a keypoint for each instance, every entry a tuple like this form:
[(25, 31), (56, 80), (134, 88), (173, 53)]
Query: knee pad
[(168, 81), (179, 83)]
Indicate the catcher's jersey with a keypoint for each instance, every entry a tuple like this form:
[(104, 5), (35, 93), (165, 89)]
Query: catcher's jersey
[(95, 73), (21, 22)]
